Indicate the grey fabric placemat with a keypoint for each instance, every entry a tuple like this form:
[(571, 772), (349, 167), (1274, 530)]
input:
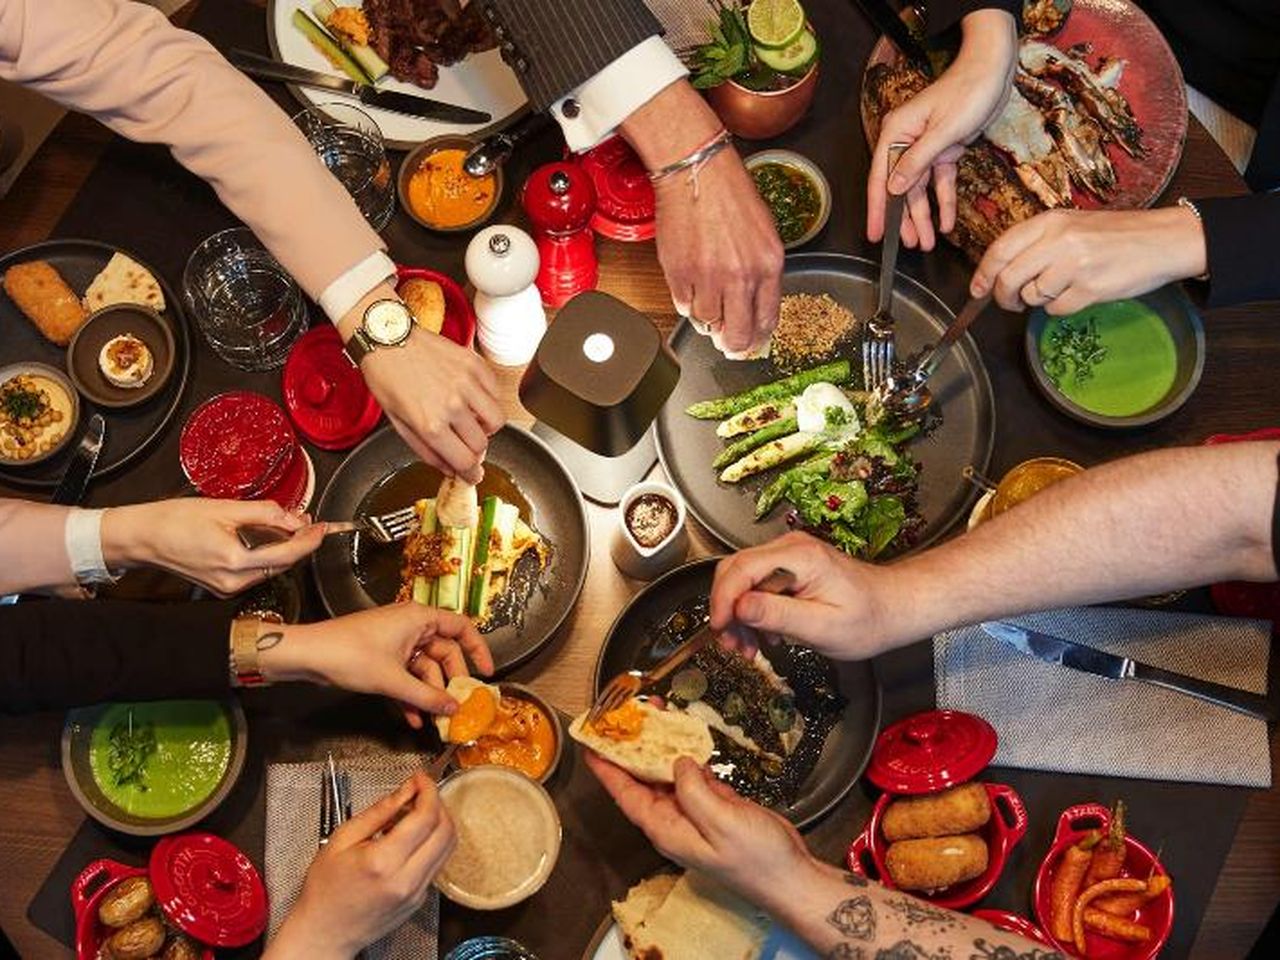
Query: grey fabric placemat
[(684, 22), (1054, 718), (293, 836)]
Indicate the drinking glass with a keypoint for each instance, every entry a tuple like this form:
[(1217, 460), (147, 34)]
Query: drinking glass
[(247, 306), (350, 144)]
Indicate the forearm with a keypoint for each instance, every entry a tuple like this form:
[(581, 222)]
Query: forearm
[(670, 126), (989, 38), (844, 916), (33, 547), (1145, 524), (942, 15)]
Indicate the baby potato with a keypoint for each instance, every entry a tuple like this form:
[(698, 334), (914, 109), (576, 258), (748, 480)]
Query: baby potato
[(961, 809), (934, 863), (141, 939), (180, 947), (127, 902)]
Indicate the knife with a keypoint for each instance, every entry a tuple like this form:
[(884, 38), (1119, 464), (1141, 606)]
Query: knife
[(1077, 656), (885, 19), (75, 479), (256, 65)]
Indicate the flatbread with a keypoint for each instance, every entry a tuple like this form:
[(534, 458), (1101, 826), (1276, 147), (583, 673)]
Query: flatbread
[(665, 736), (697, 919), (124, 280), (641, 902), (460, 688)]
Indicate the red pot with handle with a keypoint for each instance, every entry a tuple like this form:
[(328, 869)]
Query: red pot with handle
[(459, 319), (1001, 833), (1140, 862)]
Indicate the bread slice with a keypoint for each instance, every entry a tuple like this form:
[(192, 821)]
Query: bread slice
[(641, 902), (124, 280), (663, 737), (696, 919)]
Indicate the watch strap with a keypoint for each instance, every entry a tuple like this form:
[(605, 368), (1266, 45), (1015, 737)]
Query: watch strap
[(357, 347), (245, 668)]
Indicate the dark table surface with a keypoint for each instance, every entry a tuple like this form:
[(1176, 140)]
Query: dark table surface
[(88, 185)]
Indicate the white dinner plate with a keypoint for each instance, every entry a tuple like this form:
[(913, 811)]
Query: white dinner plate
[(482, 81)]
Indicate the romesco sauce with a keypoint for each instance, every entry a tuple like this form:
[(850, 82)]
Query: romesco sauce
[(444, 195)]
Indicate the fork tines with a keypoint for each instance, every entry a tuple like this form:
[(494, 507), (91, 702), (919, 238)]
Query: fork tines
[(390, 527)]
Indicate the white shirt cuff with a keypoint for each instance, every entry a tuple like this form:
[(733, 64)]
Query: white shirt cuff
[(82, 536), (344, 293), (597, 107)]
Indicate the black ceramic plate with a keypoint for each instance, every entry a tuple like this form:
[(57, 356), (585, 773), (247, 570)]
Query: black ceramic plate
[(129, 432), (848, 746), (383, 474), (85, 349), (961, 389)]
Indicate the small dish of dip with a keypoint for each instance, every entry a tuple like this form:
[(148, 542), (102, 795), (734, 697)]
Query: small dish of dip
[(650, 537), (39, 410), (795, 191), (122, 355), (437, 193), (526, 735), (508, 838)]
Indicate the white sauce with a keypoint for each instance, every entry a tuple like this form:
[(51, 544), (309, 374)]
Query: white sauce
[(812, 406)]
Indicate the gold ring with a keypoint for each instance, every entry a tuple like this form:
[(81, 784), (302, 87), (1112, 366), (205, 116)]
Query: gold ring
[(266, 573)]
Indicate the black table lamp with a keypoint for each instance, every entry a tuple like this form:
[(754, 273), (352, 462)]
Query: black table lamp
[(596, 384)]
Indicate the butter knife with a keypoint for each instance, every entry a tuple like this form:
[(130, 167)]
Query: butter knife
[(1077, 656)]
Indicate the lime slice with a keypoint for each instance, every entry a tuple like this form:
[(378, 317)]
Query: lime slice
[(775, 23)]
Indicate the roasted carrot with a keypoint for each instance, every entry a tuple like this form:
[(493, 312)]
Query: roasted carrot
[(1124, 904), (1091, 893), (1108, 856), (1117, 928), (1066, 884)]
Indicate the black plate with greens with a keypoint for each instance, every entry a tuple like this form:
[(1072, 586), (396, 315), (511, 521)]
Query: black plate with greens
[(641, 636), (961, 389)]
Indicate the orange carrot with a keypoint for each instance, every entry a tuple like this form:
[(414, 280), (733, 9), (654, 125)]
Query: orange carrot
[(1124, 904), (1108, 856), (1066, 884), (1117, 928), (1091, 893)]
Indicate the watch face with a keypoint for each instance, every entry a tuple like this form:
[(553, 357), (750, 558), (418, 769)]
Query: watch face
[(387, 322)]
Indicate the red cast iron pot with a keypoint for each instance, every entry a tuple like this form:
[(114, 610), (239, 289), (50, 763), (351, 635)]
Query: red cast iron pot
[(1139, 861), (87, 890), (459, 319), (1002, 832)]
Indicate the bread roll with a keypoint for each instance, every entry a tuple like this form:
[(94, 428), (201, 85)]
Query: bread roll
[(961, 809), (934, 863), (46, 300), (646, 741), (425, 300)]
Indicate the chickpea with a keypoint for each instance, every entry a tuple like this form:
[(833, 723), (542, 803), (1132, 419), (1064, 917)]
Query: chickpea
[(57, 416)]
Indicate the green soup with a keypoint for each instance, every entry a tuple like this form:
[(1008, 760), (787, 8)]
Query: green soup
[(1115, 359), (162, 759)]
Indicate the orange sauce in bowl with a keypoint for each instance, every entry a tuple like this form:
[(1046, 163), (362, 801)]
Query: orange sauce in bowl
[(521, 736), (444, 195)]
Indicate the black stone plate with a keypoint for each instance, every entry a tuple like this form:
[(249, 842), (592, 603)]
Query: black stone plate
[(130, 432), (383, 474), (961, 389), (844, 756)]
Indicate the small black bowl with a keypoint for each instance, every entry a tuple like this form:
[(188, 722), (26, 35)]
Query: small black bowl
[(113, 321), (1184, 324)]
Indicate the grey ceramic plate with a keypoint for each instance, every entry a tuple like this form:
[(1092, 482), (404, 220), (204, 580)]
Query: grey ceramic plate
[(629, 645), (383, 474), (961, 388)]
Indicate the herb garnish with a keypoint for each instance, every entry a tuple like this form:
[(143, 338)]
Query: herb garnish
[(22, 401), (729, 51), (1074, 349), (129, 750)]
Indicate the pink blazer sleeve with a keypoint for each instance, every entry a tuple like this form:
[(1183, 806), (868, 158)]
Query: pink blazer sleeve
[(126, 65)]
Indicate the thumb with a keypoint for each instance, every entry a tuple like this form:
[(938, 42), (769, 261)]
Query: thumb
[(705, 808), (777, 613), (373, 819), (405, 687)]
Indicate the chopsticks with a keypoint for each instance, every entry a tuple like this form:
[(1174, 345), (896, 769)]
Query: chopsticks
[(335, 799)]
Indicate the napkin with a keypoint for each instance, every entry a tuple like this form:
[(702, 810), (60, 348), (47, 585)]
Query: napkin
[(293, 837), (685, 23), (1050, 717)]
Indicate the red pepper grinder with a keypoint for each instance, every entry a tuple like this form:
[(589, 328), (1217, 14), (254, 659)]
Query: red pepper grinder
[(560, 200)]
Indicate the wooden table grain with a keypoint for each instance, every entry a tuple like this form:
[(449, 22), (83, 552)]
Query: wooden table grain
[(40, 815)]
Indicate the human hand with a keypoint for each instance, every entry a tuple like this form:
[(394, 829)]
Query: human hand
[(1065, 260), (702, 824), (832, 606), (370, 877), (937, 123), (404, 651), (198, 539)]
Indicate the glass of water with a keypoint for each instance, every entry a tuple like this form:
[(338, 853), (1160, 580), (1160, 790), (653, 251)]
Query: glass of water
[(247, 306), (350, 144)]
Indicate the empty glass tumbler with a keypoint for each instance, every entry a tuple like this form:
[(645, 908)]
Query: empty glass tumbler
[(350, 144)]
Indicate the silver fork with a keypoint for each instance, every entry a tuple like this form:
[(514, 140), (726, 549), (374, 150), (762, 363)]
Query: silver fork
[(627, 685), (877, 342), (385, 528)]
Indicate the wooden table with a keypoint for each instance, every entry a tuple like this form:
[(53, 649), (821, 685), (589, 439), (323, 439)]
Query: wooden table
[(42, 815)]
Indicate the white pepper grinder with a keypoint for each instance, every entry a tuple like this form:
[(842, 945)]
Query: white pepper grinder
[(502, 264)]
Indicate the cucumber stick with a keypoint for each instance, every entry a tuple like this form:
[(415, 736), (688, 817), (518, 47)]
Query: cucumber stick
[(371, 65), (424, 588), (328, 47), (451, 588), (500, 557), (480, 561), (772, 454)]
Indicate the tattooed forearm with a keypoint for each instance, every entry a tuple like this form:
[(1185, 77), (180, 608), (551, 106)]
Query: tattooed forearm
[(993, 951), (846, 951), (855, 879), (908, 950), (855, 918), (915, 913)]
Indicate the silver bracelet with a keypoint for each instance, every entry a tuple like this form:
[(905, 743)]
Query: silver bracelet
[(696, 159), (1188, 204)]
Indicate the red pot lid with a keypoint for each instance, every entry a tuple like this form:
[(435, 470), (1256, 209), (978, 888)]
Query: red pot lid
[(625, 203), (236, 445), (209, 889), (931, 751), (325, 395)]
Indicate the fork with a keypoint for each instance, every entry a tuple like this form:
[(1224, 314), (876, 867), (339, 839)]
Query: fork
[(627, 685), (384, 528), (877, 342)]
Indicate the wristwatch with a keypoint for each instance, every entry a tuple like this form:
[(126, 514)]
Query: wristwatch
[(386, 323)]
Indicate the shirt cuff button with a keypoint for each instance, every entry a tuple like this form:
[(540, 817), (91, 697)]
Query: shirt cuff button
[(571, 108)]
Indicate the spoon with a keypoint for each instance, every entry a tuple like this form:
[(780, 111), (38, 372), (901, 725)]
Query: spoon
[(908, 396)]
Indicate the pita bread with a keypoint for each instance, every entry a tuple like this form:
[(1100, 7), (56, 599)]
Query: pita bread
[(124, 280), (461, 688), (665, 736), (697, 918)]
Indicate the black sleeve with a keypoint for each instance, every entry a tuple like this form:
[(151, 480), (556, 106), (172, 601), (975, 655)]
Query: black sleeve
[(555, 46), (1240, 236), (942, 15), (1275, 521), (64, 653)]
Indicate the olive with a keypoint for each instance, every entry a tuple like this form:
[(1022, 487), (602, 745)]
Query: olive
[(782, 712), (689, 685), (734, 706)]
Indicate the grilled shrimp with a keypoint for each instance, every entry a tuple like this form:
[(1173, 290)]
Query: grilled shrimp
[(1102, 101), (1077, 136)]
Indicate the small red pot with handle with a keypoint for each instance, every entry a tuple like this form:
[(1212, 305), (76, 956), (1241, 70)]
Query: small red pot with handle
[(459, 319), (1139, 862), (87, 892), (1001, 833)]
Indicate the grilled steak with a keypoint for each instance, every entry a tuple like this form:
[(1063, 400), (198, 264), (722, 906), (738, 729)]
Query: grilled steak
[(417, 37)]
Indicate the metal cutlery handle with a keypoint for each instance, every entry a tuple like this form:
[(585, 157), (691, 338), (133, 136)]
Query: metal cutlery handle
[(1241, 701), (959, 326), (892, 232), (256, 65), (494, 150)]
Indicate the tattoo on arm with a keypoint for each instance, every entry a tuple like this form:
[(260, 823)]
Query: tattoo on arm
[(269, 640), (909, 950), (855, 879), (916, 913), (855, 918), (992, 951), (846, 951)]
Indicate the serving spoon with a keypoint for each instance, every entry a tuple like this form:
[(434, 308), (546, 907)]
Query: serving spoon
[(908, 396)]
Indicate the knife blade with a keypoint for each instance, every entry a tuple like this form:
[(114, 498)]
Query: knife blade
[(75, 479), (264, 68), (1078, 656)]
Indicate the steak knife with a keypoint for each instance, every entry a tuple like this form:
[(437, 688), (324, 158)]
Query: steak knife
[(256, 65), (1077, 656)]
